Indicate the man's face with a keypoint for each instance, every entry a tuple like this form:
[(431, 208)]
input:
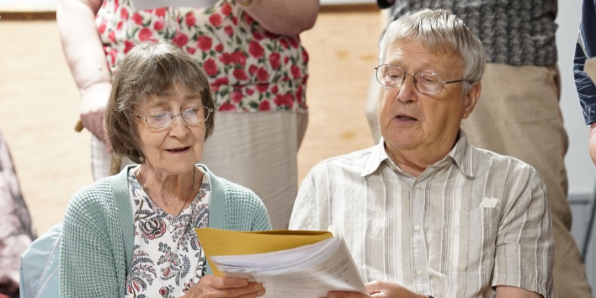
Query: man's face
[(410, 120)]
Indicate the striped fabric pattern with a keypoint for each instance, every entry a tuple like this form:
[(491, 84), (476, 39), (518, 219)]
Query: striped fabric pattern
[(472, 221)]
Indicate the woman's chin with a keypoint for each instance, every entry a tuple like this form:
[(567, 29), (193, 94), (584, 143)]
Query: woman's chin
[(178, 167)]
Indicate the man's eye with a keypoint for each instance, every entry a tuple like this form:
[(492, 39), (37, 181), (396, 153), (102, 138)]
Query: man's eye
[(429, 78)]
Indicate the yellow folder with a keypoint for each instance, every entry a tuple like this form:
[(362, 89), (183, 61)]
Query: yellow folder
[(216, 242)]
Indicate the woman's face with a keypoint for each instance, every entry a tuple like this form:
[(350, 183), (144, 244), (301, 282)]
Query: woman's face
[(175, 149)]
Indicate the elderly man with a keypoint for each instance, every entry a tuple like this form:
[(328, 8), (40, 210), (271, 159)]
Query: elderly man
[(424, 213)]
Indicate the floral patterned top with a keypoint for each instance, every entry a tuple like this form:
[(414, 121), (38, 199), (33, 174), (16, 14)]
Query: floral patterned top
[(167, 257), (250, 69)]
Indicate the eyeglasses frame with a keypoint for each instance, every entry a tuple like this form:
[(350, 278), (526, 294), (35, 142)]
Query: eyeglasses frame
[(209, 111), (415, 81)]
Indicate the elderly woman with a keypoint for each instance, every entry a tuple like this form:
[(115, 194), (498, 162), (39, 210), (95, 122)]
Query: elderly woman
[(131, 235)]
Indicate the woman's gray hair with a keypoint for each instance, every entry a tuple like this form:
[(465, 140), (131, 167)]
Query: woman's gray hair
[(441, 32), (152, 68)]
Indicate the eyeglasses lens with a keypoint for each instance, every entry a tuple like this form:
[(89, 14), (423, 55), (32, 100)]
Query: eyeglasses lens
[(164, 119), (393, 76)]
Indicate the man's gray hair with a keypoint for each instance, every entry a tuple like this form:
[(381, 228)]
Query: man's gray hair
[(440, 31)]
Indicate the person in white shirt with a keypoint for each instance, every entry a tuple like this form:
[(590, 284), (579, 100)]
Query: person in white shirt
[(424, 213)]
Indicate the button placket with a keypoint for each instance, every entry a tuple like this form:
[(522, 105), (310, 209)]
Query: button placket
[(420, 278)]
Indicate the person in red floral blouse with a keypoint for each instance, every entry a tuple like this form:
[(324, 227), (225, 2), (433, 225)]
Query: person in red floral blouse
[(257, 69)]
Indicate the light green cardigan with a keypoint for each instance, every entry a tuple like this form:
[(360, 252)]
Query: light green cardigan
[(98, 235)]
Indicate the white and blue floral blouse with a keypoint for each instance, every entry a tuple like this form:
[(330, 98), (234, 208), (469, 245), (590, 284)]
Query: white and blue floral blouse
[(167, 259)]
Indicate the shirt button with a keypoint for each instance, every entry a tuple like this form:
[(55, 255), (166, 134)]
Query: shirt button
[(419, 272), (417, 186), (417, 228)]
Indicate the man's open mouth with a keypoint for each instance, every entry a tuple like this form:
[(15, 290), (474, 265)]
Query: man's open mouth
[(405, 118)]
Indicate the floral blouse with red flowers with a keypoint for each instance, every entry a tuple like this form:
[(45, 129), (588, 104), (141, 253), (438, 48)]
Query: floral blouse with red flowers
[(249, 68), (167, 258)]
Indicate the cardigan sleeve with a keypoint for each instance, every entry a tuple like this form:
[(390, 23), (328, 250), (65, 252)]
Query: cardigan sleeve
[(87, 261), (245, 210), (260, 218)]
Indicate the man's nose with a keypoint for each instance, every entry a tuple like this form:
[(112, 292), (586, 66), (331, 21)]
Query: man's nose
[(407, 90)]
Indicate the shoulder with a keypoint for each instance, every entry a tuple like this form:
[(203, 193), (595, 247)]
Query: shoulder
[(233, 192), (238, 193), (350, 164), (242, 208), (95, 199), (503, 163), (506, 172)]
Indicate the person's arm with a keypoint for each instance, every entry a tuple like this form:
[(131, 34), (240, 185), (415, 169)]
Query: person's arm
[(592, 142), (309, 213), (514, 292), (86, 59), (380, 289), (524, 211), (285, 17), (391, 290), (88, 268)]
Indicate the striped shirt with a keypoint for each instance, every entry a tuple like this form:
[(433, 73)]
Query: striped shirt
[(472, 221)]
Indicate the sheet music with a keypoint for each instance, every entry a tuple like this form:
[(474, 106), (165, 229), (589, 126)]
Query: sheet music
[(309, 271)]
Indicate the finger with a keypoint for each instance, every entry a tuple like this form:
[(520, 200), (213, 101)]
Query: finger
[(221, 283), (94, 123), (253, 295), (376, 286), (106, 141), (251, 290)]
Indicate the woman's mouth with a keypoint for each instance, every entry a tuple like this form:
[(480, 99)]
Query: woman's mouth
[(178, 150)]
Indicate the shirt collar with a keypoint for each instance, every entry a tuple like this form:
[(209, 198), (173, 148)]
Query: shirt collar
[(461, 154), (377, 156)]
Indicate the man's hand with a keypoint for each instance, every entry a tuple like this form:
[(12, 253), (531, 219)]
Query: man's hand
[(592, 142), (379, 289), (92, 109), (515, 292), (214, 286)]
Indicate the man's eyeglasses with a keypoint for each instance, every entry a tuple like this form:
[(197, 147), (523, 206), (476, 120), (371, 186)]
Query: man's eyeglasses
[(163, 119), (425, 82)]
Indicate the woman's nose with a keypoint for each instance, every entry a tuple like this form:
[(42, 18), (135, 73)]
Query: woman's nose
[(178, 126)]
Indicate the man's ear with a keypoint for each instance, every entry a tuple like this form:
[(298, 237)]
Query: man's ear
[(471, 98)]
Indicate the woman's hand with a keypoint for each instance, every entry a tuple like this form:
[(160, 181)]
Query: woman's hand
[(92, 110), (86, 59), (214, 286)]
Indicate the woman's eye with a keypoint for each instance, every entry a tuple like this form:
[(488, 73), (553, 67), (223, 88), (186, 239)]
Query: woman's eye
[(159, 116)]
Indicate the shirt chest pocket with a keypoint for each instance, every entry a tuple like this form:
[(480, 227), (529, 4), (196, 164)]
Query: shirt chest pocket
[(468, 241)]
